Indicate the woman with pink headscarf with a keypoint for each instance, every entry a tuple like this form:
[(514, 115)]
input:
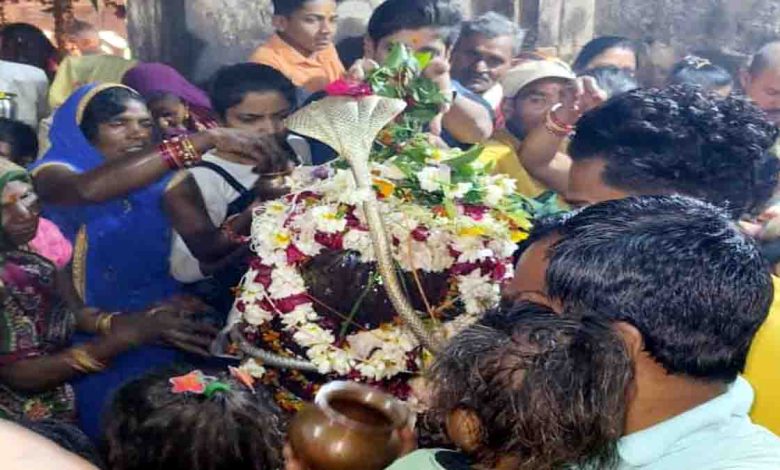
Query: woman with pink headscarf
[(178, 106)]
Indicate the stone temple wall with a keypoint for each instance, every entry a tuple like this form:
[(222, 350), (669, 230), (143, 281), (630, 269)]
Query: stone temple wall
[(197, 36), (733, 26)]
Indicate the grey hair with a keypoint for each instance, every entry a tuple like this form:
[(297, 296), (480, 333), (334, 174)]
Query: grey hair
[(493, 25), (765, 58)]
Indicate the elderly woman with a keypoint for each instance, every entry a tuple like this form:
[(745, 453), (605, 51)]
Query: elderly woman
[(102, 182), (37, 322)]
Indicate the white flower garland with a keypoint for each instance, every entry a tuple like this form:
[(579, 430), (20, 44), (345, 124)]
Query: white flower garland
[(422, 241)]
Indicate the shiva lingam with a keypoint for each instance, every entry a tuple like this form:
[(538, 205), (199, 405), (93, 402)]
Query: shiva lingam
[(349, 425), (370, 262)]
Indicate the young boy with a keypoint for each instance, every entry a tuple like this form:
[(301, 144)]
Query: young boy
[(432, 26), (302, 48), (254, 98)]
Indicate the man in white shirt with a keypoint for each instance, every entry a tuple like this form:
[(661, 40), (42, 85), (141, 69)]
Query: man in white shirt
[(486, 50), (687, 291), (209, 205), (29, 88)]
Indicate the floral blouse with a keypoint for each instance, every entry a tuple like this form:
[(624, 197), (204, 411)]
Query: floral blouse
[(34, 322)]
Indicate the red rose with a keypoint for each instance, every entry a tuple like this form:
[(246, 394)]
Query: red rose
[(420, 234), (349, 88), (498, 273), (462, 269), (294, 255), (288, 304), (334, 241), (475, 212)]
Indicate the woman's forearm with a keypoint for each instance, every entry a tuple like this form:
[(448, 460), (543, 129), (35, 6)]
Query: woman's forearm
[(113, 179), (540, 157), (43, 373)]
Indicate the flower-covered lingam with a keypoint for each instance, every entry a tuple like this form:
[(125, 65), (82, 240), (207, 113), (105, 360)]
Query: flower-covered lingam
[(372, 260)]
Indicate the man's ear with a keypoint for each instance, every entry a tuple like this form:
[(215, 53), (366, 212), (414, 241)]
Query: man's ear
[(632, 338), (465, 429), (279, 23)]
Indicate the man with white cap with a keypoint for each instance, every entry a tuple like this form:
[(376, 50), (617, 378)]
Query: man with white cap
[(531, 90)]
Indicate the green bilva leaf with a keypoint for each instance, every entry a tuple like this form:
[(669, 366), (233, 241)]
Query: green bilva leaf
[(466, 158), (423, 59), (398, 56)]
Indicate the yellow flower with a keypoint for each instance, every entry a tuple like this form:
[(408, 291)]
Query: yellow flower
[(384, 187), (518, 236), (473, 231), (275, 208), (282, 238)]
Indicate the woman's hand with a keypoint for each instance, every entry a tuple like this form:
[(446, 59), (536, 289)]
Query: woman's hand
[(171, 323), (269, 151), (579, 98)]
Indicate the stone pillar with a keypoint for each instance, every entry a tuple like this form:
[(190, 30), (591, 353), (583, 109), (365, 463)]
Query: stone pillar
[(565, 25), (197, 36)]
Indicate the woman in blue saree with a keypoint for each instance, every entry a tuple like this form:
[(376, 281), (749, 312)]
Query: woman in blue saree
[(102, 182)]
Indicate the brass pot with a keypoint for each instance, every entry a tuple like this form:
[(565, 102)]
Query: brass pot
[(273, 185), (349, 426)]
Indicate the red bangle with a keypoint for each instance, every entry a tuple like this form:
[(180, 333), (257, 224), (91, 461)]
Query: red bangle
[(169, 157), (179, 152), (558, 122), (555, 126)]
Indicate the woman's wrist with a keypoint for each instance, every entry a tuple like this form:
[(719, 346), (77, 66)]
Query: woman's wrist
[(557, 126), (566, 117), (205, 140), (179, 152)]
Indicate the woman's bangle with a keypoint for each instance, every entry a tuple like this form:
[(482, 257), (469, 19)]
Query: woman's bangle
[(82, 361), (179, 152), (555, 126), (103, 323)]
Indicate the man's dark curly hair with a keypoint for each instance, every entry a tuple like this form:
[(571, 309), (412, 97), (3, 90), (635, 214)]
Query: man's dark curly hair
[(549, 389), (680, 140), (676, 268), (150, 428)]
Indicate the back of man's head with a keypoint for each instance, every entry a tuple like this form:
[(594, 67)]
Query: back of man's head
[(675, 268), (393, 16), (678, 140)]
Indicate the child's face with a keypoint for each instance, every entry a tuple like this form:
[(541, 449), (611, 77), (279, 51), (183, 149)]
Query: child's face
[(418, 40), (311, 28), (169, 112)]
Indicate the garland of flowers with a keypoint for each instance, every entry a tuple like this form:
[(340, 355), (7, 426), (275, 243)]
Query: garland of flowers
[(443, 210)]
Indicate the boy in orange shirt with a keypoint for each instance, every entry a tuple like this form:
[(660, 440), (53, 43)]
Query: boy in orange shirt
[(302, 48)]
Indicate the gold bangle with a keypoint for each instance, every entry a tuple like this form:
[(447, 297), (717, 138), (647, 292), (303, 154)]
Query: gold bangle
[(82, 361), (104, 322), (155, 311)]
